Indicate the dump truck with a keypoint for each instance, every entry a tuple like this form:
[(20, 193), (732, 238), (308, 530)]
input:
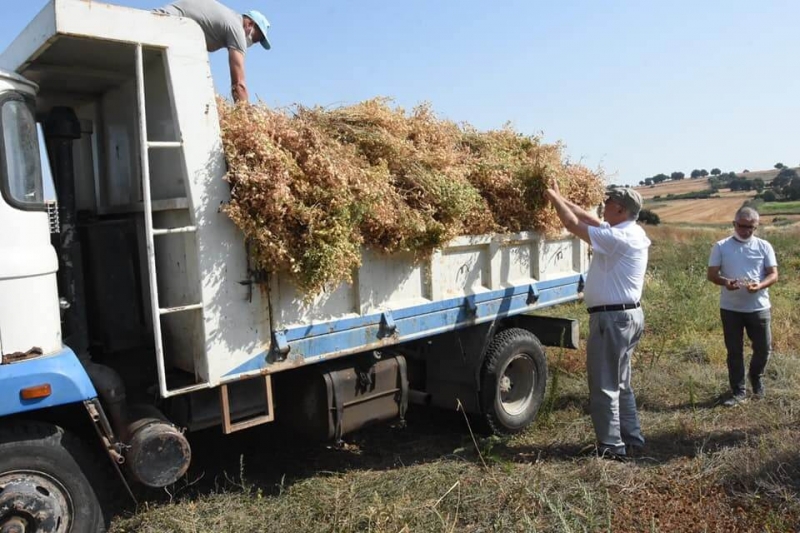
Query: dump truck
[(131, 315)]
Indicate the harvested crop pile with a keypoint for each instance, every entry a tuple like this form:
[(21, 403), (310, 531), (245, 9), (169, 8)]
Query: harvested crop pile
[(312, 186)]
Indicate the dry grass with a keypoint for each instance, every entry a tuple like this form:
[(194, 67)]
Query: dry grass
[(706, 469), (311, 186)]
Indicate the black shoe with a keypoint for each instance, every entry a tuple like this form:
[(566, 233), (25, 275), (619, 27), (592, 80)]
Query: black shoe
[(735, 400), (611, 455), (633, 451), (758, 389), (592, 450)]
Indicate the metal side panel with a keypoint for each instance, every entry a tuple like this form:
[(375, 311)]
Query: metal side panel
[(466, 266), (324, 340), (236, 315)]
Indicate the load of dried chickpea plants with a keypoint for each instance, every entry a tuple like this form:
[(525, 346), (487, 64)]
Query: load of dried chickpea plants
[(311, 186)]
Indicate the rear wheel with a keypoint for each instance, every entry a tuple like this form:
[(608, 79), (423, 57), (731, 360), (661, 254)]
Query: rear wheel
[(45, 482), (514, 379)]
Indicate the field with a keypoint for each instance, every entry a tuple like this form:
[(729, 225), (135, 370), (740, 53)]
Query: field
[(695, 211), (779, 208), (706, 468), (673, 187), (711, 210), (706, 211)]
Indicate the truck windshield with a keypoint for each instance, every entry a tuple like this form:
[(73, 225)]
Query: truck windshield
[(20, 167)]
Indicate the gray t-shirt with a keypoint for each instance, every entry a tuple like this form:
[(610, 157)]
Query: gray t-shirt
[(221, 25), (743, 260)]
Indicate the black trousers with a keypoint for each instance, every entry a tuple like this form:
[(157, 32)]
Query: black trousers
[(757, 327)]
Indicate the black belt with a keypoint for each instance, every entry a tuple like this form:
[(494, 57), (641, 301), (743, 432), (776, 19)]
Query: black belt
[(615, 307)]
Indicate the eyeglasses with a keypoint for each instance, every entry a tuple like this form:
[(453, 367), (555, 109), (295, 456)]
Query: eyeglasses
[(745, 226)]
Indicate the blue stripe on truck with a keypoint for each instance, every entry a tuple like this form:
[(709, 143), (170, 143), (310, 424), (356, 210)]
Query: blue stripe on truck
[(308, 344), (66, 376)]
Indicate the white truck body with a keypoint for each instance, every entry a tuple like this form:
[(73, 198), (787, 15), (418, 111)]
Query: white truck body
[(82, 54)]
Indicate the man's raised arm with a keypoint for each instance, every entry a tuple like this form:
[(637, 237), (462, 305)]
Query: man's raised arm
[(238, 85)]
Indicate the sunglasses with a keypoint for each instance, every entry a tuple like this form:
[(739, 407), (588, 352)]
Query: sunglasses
[(745, 226)]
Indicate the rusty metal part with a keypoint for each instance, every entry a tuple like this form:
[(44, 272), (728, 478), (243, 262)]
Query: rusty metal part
[(21, 356), (157, 454), (111, 389), (34, 501), (109, 440)]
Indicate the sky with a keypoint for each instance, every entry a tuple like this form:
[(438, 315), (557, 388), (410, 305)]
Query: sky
[(635, 88)]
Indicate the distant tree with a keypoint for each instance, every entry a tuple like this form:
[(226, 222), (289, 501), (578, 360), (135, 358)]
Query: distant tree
[(648, 181), (741, 184), (715, 171), (643, 182), (677, 176), (704, 173), (745, 171), (695, 173), (792, 191), (758, 184), (780, 166), (648, 217), (783, 178), (658, 178), (769, 196)]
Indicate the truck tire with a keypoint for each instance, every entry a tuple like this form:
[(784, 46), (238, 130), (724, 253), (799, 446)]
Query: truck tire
[(513, 381), (48, 471)]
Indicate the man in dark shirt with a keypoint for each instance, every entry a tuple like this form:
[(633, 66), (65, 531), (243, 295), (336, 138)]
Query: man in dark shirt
[(225, 28)]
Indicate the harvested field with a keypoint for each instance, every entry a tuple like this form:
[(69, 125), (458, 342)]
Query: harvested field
[(673, 187), (705, 211)]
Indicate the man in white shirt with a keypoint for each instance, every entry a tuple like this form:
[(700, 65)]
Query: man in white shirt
[(612, 294), (225, 28), (744, 266)]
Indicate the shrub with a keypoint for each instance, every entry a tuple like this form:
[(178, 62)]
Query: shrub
[(649, 217)]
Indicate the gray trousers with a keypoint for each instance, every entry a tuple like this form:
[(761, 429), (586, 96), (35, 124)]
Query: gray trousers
[(613, 335), (757, 326)]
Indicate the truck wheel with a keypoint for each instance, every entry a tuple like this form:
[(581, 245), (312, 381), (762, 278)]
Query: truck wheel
[(513, 381), (44, 486)]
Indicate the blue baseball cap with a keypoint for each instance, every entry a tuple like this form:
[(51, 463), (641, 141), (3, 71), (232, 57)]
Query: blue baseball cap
[(263, 25)]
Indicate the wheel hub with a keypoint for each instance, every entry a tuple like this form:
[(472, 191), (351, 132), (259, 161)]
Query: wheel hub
[(14, 525), (505, 384), (33, 501), (516, 384)]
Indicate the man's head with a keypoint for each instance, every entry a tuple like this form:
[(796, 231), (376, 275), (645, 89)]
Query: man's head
[(256, 27), (622, 203), (745, 223)]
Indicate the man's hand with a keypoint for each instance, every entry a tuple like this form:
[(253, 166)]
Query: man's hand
[(554, 186), (732, 284), (753, 287)]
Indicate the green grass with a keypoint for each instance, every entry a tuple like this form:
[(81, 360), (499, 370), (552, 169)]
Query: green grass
[(779, 208), (707, 468)]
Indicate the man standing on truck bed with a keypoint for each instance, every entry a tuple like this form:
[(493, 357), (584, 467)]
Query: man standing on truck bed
[(225, 28), (613, 291)]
